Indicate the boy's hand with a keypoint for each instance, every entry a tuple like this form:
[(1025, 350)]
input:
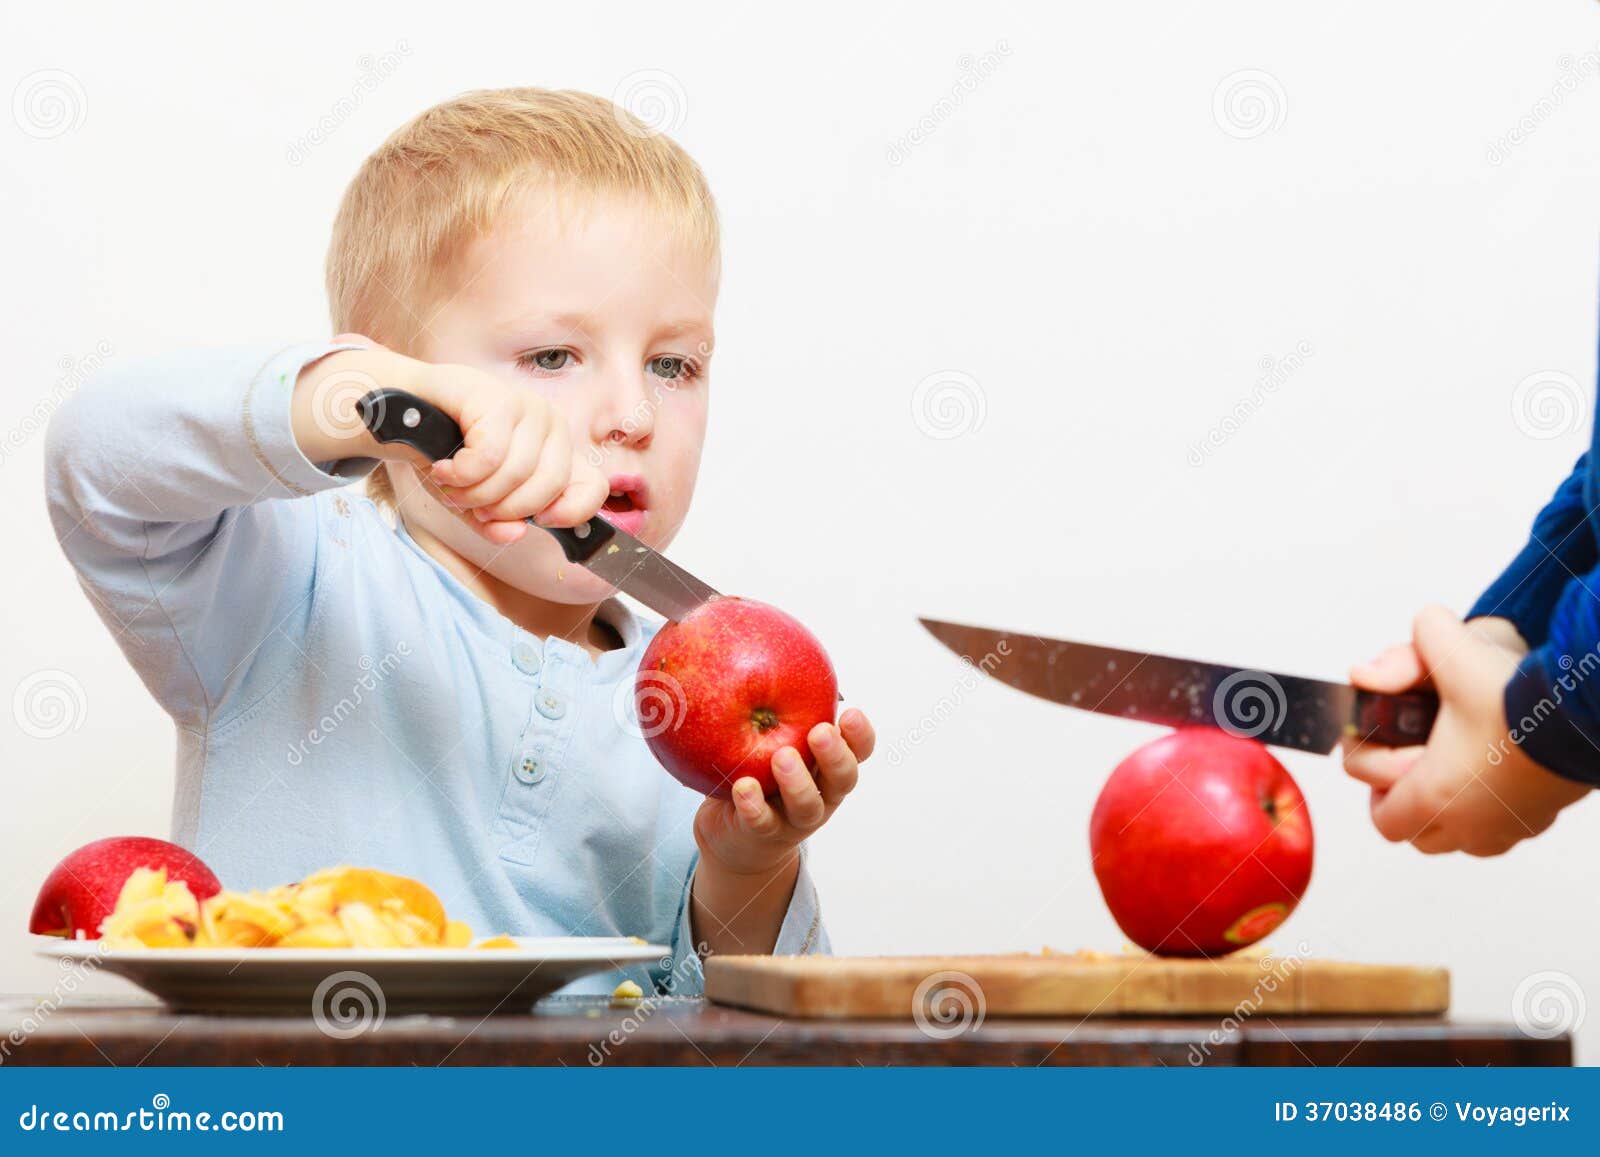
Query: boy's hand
[(516, 460), (749, 846), (749, 834), (1470, 788)]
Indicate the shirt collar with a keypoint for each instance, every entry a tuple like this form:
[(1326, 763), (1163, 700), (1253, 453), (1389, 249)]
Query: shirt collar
[(613, 612)]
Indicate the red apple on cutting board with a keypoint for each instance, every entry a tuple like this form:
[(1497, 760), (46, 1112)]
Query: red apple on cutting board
[(720, 692), (83, 888), (1201, 843)]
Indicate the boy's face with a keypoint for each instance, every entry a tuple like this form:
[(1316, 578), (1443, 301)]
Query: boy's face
[(607, 314)]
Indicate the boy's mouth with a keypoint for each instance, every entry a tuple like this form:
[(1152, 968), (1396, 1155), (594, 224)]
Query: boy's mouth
[(625, 508)]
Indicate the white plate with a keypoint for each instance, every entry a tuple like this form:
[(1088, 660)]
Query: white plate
[(338, 983)]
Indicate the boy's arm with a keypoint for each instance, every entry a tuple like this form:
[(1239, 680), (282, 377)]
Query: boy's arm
[(1560, 545), (165, 481), (749, 891), (786, 902)]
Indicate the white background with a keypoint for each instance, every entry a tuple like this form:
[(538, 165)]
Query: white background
[(1085, 234)]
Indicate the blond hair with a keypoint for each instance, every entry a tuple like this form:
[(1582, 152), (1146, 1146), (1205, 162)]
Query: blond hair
[(442, 180)]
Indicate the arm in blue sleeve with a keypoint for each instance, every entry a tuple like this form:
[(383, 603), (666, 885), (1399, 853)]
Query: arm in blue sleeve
[(1553, 700), (166, 482), (801, 934), (1561, 545)]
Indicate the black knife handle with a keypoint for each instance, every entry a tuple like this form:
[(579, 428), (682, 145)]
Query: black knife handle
[(400, 416), (583, 542), (1402, 720)]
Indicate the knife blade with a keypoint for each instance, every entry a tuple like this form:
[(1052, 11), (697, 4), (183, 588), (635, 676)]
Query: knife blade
[(604, 550), (1281, 710)]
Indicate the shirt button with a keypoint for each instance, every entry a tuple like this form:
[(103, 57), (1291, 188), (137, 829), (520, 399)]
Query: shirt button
[(528, 769), (526, 656), (551, 707)]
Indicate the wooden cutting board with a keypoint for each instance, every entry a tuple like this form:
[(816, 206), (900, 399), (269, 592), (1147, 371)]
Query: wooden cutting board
[(944, 988)]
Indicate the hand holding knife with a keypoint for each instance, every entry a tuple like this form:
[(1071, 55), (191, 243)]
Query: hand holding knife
[(607, 551)]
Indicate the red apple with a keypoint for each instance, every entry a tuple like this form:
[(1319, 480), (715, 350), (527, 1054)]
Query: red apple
[(83, 888), (720, 692), (1201, 843)]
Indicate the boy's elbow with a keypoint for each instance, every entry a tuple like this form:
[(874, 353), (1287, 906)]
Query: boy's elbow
[(87, 453), (64, 438)]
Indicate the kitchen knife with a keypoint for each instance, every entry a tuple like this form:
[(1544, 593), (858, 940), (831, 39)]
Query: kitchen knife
[(599, 547), (1282, 710)]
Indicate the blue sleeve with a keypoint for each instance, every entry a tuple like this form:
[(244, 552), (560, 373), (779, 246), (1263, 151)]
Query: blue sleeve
[(801, 934), (1553, 700), (1561, 545), (167, 482)]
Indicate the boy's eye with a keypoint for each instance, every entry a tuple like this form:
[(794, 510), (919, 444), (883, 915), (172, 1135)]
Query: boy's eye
[(547, 360), (672, 367)]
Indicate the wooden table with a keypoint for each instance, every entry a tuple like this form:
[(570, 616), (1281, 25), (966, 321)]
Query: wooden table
[(589, 1031)]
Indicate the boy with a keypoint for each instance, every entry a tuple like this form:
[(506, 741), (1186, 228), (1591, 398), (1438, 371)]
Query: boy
[(445, 697), (1518, 733)]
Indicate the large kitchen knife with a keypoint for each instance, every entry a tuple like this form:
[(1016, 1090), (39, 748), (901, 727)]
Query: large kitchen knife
[(1282, 710), (599, 547)]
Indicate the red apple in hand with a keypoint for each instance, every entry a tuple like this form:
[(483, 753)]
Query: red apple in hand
[(720, 692), (1201, 843), (83, 888)]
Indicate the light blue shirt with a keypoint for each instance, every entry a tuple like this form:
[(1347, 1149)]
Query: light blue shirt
[(339, 697)]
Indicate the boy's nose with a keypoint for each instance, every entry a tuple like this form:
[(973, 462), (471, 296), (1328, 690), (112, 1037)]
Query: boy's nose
[(625, 415)]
